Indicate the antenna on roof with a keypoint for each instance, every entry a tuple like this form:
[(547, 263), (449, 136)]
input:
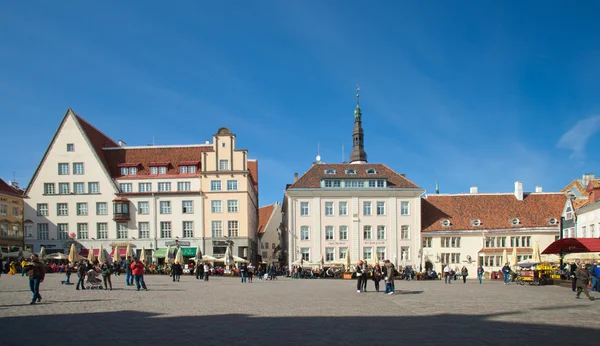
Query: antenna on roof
[(318, 152)]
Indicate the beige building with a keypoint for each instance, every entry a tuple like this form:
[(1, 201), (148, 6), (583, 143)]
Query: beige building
[(476, 228), (365, 209), (11, 217), (93, 190), (269, 234)]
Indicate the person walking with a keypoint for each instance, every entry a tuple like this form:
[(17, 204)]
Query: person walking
[(506, 272), (390, 272), (106, 273), (583, 278), (199, 271), (23, 265), (594, 276), (81, 270), (206, 271), (250, 273), (359, 275), (243, 270), (464, 272), (573, 269), (597, 276), (36, 272), (176, 271), (137, 270), (480, 272), (128, 273), (447, 278), (376, 276)]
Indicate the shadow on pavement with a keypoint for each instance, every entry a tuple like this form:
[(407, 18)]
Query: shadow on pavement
[(133, 327)]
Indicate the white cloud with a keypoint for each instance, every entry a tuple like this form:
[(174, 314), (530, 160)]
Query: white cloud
[(577, 137)]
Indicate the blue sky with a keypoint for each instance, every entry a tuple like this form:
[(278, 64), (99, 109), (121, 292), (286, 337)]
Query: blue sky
[(473, 93)]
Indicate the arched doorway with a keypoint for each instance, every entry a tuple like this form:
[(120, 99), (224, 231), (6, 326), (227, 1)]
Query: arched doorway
[(428, 266)]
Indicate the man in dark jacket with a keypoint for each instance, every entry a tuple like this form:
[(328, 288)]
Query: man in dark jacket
[(36, 272), (199, 270), (583, 277), (81, 270)]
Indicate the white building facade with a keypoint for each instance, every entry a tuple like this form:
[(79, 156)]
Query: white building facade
[(91, 190)]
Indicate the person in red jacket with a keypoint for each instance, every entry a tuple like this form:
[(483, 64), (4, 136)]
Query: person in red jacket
[(137, 270)]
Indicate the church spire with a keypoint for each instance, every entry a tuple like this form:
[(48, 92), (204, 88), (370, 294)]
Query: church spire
[(358, 147)]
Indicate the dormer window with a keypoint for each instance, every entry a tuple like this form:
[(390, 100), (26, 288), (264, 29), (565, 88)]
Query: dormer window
[(553, 221), (128, 171), (476, 222), (350, 171), (446, 223), (158, 167), (330, 171), (187, 169), (514, 221), (371, 171)]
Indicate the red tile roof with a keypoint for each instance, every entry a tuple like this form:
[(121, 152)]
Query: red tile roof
[(8, 190), (97, 139), (495, 211), (312, 178), (595, 184), (579, 203), (575, 183), (264, 215), (253, 168)]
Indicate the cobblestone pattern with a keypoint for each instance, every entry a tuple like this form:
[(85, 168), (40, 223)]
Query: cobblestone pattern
[(321, 312)]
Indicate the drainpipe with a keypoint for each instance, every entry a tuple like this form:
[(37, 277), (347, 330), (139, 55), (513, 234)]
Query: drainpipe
[(155, 221)]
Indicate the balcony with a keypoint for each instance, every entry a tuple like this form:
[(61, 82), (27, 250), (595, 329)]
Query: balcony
[(121, 209)]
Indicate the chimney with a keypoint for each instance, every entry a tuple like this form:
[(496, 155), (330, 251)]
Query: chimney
[(295, 177), (122, 143), (585, 180), (207, 142), (14, 184), (538, 189), (473, 189), (519, 190)]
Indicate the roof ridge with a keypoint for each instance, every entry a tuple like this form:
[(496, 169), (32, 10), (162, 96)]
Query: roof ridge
[(80, 118)]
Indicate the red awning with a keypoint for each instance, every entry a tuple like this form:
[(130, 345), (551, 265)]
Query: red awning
[(85, 252), (122, 252), (573, 245)]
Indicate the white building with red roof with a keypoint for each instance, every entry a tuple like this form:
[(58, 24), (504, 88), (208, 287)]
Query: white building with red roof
[(93, 190)]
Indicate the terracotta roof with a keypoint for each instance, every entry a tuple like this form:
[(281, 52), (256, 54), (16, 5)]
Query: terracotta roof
[(253, 168), (97, 139), (312, 178), (8, 190), (595, 184), (579, 203), (148, 156), (495, 211), (575, 183), (264, 215)]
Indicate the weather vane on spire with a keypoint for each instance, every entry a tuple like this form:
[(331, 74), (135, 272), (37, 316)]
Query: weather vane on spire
[(357, 94)]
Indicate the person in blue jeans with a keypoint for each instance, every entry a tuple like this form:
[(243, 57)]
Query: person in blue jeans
[(480, 272), (506, 272), (36, 273), (596, 277), (243, 269)]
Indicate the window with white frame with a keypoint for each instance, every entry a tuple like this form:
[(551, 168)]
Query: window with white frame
[(233, 229), (164, 187), (367, 232), (124, 171), (93, 187), (187, 207), (42, 209), (42, 231), (381, 253), (343, 232), (63, 169), (329, 254), (367, 253), (62, 209), (232, 206), (592, 231), (82, 231), (184, 186), (381, 232), (404, 208), (126, 187), (366, 208), (188, 229), (583, 232), (70, 147), (328, 208), (427, 242), (64, 188), (343, 208), (162, 170), (217, 229), (165, 229), (145, 187), (122, 230), (49, 189), (405, 253), (215, 185), (304, 211), (82, 208), (79, 188), (216, 207), (450, 242), (153, 170), (305, 253), (380, 208), (329, 232), (342, 252), (132, 170), (223, 165), (62, 230), (3, 209), (304, 233), (143, 230), (354, 183), (183, 169), (165, 207), (102, 230), (404, 232), (78, 168), (143, 208), (16, 212), (232, 185)]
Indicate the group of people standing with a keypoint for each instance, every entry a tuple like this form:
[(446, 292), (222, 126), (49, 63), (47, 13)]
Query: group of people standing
[(386, 272)]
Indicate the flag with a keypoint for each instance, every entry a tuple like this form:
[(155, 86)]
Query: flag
[(277, 249)]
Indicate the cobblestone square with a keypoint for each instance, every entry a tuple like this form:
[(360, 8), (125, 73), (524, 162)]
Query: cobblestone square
[(318, 312)]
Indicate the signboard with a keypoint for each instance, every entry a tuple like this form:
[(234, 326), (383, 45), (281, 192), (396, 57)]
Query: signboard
[(178, 243), (123, 244)]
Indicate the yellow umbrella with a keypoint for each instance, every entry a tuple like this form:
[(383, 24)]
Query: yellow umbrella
[(42, 254), (536, 253), (169, 259), (179, 256), (101, 257), (514, 259), (198, 256), (504, 258), (128, 251), (116, 256), (73, 254), (348, 262), (91, 258), (143, 255)]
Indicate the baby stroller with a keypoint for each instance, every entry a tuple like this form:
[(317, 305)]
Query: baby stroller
[(93, 280)]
